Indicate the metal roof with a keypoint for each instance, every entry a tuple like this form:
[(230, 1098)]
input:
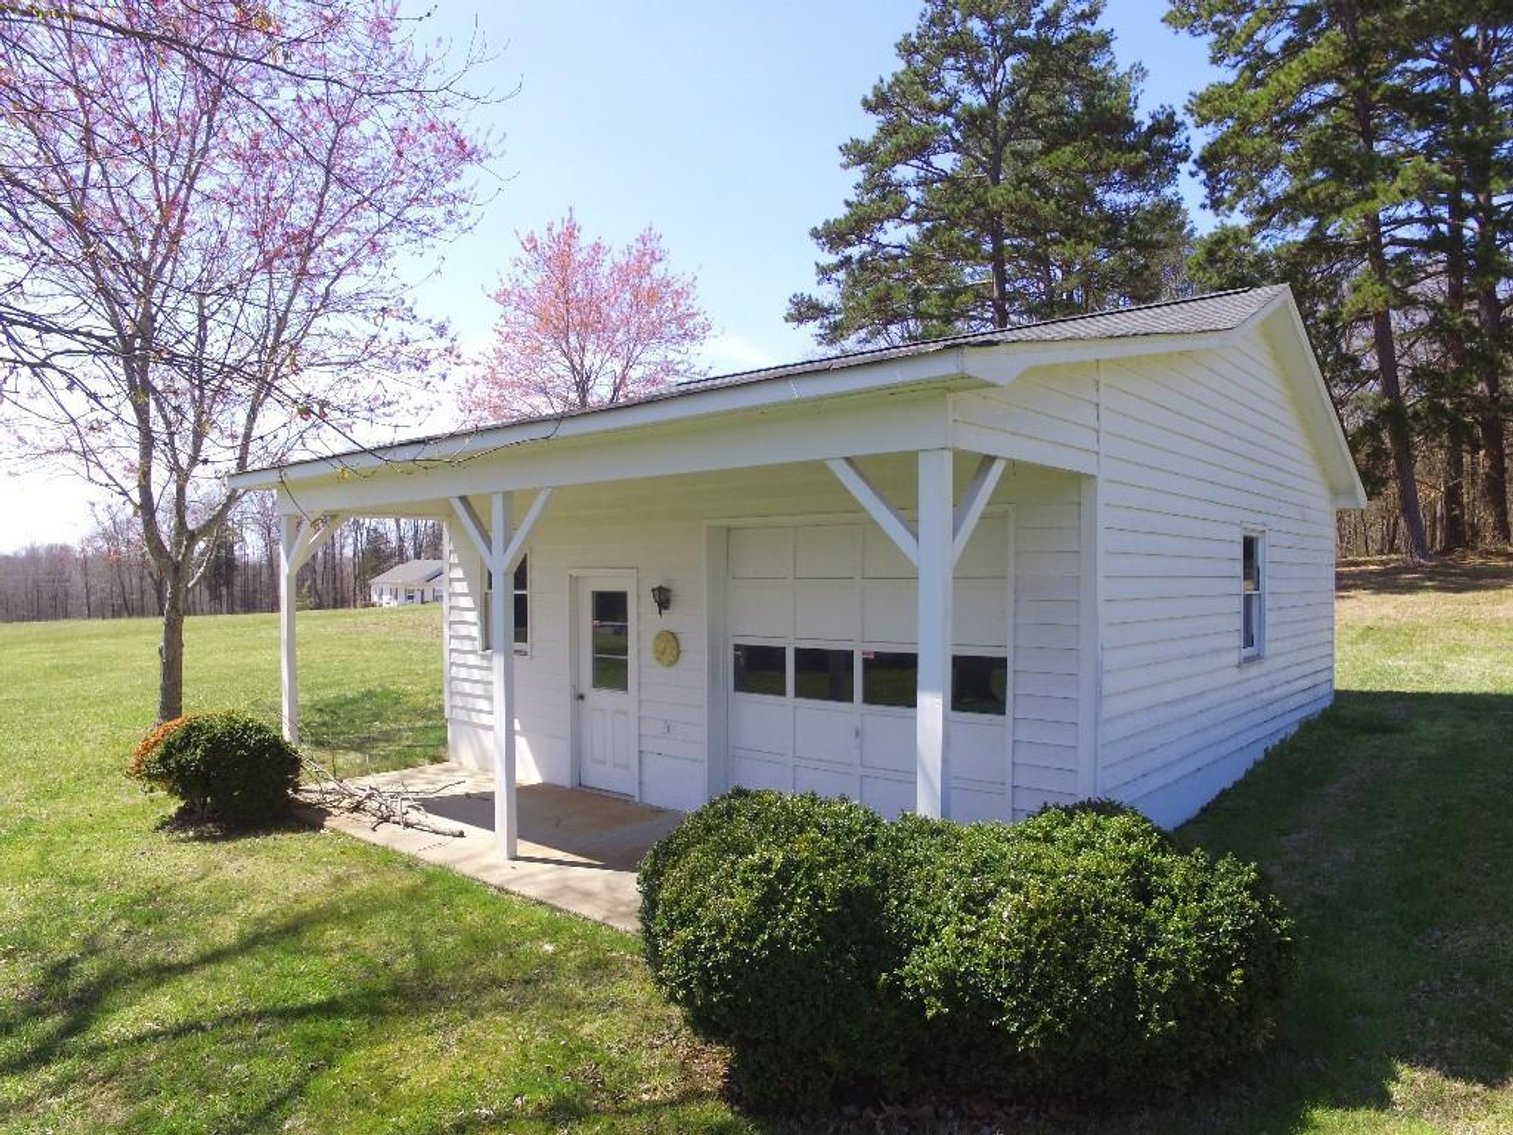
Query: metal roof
[(1214, 312)]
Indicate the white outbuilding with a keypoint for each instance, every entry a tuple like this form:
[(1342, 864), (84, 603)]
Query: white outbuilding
[(408, 583), (967, 577)]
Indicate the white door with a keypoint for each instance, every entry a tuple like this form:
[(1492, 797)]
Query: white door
[(605, 684)]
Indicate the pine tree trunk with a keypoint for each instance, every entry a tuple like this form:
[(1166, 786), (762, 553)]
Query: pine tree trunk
[(1399, 431), (1494, 472), (1455, 535), (1494, 442), (1400, 437)]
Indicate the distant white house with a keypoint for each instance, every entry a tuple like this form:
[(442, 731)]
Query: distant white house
[(415, 581), (970, 577)]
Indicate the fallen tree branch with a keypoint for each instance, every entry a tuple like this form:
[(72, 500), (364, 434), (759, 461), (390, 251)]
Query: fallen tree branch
[(385, 806)]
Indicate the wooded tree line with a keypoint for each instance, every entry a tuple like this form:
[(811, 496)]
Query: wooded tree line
[(109, 574), (1360, 150)]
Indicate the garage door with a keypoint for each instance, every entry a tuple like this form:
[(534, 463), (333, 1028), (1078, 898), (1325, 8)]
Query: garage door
[(823, 648)]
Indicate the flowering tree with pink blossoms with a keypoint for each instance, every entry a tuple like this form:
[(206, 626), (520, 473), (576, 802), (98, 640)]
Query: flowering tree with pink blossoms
[(583, 324), (202, 207)]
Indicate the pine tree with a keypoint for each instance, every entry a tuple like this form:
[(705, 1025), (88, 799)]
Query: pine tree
[(1009, 177), (1310, 144), (1464, 112)]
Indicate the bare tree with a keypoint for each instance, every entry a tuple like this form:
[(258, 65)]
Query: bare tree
[(200, 211)]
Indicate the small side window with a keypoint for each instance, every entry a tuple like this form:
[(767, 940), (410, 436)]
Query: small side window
[(521, 597), (1252, 596), (522, 607)]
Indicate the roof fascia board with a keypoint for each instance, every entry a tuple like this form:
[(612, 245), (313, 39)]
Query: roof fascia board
[(859, 426), (888, 374)]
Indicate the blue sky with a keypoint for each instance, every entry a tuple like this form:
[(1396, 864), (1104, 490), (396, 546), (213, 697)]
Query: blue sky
[(715, 123)]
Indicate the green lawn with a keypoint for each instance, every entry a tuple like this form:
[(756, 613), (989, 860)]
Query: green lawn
[(300, 982)]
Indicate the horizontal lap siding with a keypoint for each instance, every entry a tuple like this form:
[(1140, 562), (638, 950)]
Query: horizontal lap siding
[(1197, 449), (1051, 413), (1047, 636), (1054, 410)]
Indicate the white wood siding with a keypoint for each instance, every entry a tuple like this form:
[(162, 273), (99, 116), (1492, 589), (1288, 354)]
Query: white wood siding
[(657, 526), (1197, 449)]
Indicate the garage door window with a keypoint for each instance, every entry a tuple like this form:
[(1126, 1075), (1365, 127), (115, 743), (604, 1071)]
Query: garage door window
[(823, 674), (760, 669), (889, 677), (979, 684)]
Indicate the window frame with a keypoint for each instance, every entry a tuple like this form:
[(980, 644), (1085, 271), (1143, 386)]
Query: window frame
[(1255, 599), (486, 604)]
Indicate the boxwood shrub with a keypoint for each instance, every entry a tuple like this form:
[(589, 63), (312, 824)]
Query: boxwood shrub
[(225, 767), (1079, 953), (1082, 953), (762, 919)]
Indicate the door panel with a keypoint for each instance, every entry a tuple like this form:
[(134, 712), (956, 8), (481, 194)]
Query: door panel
[(605, 680)]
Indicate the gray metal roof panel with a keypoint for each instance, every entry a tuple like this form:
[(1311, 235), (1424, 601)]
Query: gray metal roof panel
[(1214, 312)]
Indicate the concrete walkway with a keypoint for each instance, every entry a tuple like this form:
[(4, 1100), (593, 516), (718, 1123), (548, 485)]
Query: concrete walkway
[(578, 848)]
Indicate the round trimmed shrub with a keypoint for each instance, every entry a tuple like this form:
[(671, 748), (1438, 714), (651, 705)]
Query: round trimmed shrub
[(762, 920), (223, 766), (1081, 953)]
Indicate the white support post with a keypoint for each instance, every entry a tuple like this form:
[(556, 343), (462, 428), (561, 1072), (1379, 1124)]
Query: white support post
[(478, 536), (888, 519), (288, 660), (500, 549), (502, 638), (937, 541), (299, 539), (969, 511)]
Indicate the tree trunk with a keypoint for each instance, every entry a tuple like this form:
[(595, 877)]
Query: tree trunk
[(171, 649), (1488, 270), (1494, 444), (1400, 437), (1455, 534), (1399, 431)]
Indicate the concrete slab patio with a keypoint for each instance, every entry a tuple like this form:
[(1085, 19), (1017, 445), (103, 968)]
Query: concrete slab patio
[(578, 848)]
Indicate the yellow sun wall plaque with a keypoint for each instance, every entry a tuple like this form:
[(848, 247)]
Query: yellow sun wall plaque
[(665, 648)]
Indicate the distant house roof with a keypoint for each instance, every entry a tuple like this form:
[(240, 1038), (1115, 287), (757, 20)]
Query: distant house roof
[(409, 574)]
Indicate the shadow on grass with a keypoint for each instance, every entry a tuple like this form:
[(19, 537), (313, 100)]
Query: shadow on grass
[(1483, 571), (374, 729), (112, 1010), (1384, 825), (183, 824)]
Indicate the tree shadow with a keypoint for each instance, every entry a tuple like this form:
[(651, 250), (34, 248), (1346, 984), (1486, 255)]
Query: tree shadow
[(374, 729), (1460, 574), (1373, 823), (1383, 824), (93, 1014)]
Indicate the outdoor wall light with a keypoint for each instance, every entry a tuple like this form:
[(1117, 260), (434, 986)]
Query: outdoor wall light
[(661, 595)]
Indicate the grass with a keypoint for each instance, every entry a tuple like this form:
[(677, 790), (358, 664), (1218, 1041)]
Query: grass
[(301, 982)]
